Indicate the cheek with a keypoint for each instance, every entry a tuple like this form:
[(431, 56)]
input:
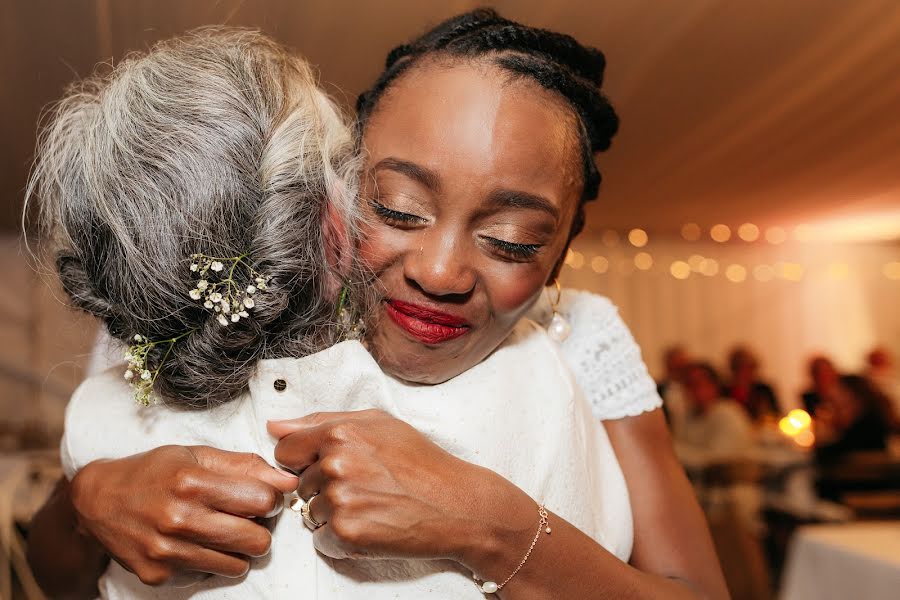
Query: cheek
[(512, 290), (379, 247)]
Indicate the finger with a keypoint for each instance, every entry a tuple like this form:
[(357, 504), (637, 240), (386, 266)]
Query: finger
[(206, 560), (297, 451), (240, 496), (310, 480), (320, 508), (281, 428), (234, 535), (244, 463)]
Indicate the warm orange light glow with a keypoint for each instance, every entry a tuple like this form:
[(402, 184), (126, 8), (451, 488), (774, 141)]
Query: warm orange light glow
[(763, 273), (696, 262), (736, 273), (789, 271), (748, 232), (804, 233), (638, 238), (720, 233), (775, 235), (680, 269), (691, 232), (838, 271), (892, 270), (575, 259), (610, 238), (643, 261), (805, 438), (796, 424), (710, 267), (600, 264), (787, 427), (800, 418)]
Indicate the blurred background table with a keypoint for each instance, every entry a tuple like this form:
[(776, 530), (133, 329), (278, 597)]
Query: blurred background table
[(840, 562)]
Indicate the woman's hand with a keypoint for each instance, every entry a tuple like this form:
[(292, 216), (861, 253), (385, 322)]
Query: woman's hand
[(178, 508), (384, 490)]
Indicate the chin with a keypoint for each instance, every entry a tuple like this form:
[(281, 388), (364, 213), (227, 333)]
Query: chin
[(417, 372)]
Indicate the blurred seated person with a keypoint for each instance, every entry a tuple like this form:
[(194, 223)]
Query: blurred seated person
[(671, 387), (855, 417), (825, 383), (746, 388), (880, 373), (715, 429)]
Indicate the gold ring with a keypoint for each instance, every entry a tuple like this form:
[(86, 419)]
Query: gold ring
[(307, 516)]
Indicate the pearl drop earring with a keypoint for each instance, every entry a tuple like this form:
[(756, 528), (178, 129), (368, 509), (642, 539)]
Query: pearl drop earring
[(558, 329)]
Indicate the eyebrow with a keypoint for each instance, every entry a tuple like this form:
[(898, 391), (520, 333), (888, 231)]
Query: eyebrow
[(504, 198), (423, 175)]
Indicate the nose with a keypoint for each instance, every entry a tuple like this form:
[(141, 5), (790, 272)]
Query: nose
[(439, 266)]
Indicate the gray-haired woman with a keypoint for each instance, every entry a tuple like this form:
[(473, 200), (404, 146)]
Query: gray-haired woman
[(385, 490)]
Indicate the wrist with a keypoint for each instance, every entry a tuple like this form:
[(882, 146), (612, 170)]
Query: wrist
[(499, 527)]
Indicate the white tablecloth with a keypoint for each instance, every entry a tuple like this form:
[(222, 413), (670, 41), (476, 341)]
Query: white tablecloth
[(854, 561)]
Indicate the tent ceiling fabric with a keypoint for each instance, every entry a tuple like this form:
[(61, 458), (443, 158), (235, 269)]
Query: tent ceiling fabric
[(755, 110)]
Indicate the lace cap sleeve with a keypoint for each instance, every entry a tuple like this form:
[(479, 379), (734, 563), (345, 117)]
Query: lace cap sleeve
[(603, 356)]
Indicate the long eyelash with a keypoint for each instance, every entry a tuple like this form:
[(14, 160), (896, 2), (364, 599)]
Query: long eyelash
[(393, 215), (521, 251)]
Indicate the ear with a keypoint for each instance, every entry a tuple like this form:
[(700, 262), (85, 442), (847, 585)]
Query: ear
[(338, 249)]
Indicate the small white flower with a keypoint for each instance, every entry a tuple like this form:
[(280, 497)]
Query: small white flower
[(195, 294), (217, 308), (223, 320), (129, 375), (260, 280), (226, 308), (208, 304), (138, 338), (145, 375), (248, 302), (202, 285), (215, 297), (235, 317), (194, 267), (251, 289), (216, 266), (244, 314)]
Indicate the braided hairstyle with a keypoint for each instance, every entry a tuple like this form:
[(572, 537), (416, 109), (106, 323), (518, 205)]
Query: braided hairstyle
[(555, 61)]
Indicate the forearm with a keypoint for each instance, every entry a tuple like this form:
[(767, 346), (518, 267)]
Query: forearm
[(65, 562), (564, 564)]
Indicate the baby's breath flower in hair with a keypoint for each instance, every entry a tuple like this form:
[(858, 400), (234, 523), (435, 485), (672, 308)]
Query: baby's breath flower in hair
[(139, 373), (219, 290)]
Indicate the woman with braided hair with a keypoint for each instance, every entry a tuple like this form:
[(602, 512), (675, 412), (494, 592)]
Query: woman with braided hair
[(478, 143)]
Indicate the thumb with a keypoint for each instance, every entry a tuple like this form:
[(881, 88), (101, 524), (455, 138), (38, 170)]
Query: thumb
[(244, 464)]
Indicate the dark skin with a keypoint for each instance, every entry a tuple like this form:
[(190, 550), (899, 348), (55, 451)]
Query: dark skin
[(455, 136)]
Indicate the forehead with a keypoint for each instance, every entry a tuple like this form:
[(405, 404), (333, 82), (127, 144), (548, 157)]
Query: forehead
[(475, 120)]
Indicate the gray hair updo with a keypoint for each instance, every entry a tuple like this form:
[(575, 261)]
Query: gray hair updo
[(218, 142)]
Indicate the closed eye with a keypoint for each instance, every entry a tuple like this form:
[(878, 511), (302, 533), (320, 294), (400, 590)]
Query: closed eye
[(392, 216), (512, 250)]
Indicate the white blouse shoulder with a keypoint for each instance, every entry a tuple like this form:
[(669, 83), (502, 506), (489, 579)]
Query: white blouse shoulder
[(603, 356)]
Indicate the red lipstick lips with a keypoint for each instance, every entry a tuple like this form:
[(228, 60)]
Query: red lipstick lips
[(427, 325)]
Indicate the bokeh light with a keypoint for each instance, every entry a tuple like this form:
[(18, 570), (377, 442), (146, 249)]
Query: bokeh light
[(748, 232), (720, 233), (638, 238), (600, 264), (736, 273), (643, 261), (680, 269), (691, 232)]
